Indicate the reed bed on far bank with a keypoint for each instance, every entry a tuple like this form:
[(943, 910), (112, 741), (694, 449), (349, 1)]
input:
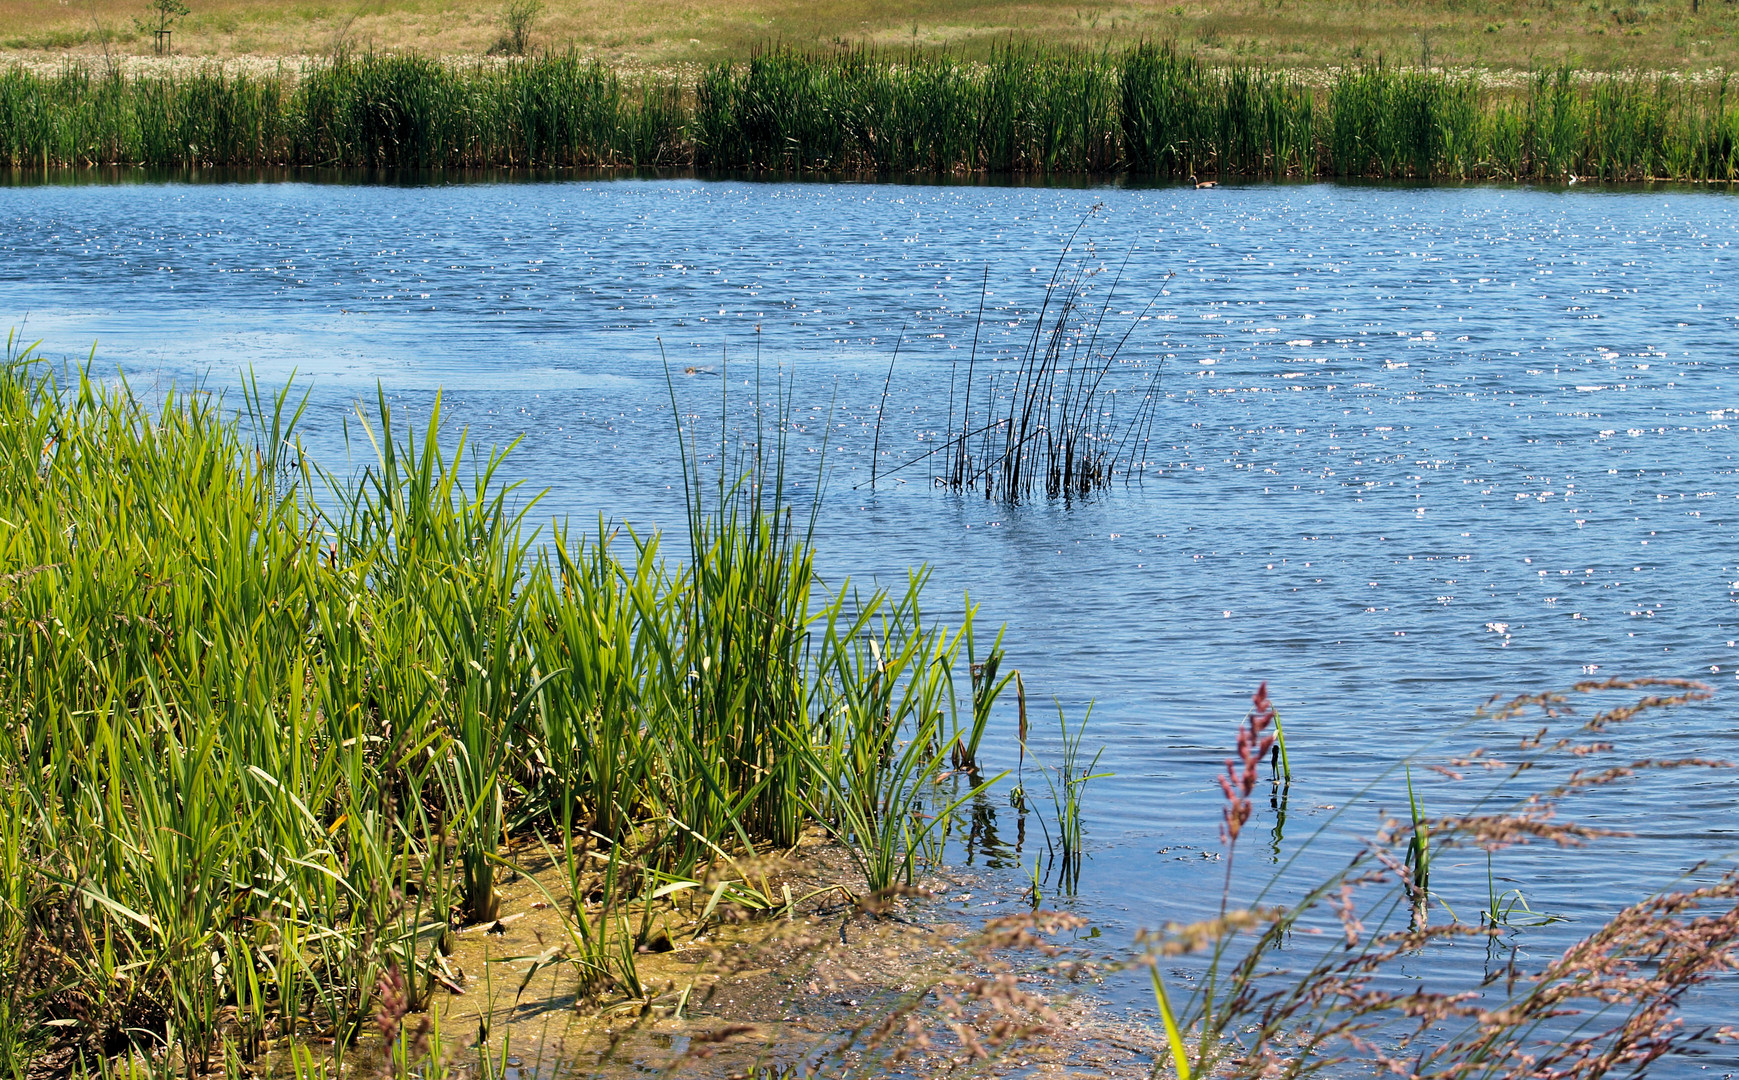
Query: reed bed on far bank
[(1148, 110), (391, 111)]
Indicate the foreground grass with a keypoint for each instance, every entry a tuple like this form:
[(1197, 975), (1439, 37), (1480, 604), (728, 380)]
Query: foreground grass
[(1600, 35), (1146, 110), (269, 732)]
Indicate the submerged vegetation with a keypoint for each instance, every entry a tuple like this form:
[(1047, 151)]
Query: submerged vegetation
[(1146, 110)]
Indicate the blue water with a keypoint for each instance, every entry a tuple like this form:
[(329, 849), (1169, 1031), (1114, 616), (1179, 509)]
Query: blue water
[(1412, 448)]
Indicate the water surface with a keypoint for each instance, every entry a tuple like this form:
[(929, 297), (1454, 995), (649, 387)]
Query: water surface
[(1414, 447)]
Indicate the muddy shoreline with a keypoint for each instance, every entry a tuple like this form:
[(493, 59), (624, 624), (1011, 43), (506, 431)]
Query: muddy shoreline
[(783, 991)]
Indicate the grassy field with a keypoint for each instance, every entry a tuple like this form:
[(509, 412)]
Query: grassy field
[(1601, 35)]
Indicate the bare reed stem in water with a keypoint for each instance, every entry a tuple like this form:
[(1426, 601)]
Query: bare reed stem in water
[(1240, 778)]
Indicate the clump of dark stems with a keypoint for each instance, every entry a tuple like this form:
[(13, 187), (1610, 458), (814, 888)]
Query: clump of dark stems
[(1048, 426)]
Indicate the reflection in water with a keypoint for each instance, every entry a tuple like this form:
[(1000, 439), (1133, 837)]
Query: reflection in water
[(1278, 793), (982, 838)]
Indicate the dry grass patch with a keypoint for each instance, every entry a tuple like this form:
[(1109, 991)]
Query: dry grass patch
[(1505, 34)]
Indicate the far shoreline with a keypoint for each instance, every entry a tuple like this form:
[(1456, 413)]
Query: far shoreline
[(1150, 111)]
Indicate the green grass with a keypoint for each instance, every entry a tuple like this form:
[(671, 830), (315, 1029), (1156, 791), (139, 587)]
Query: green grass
[(1145, 110), (1068, 781), (270, 730)]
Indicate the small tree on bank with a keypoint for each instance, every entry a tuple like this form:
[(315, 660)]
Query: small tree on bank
[(517, 19), (162, 20)]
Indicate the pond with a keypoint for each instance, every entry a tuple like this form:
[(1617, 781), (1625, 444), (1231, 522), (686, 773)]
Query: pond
[(1411, 447)]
